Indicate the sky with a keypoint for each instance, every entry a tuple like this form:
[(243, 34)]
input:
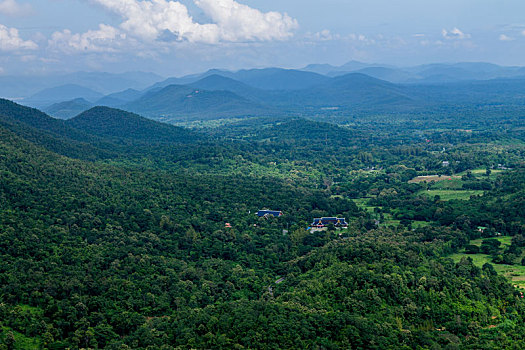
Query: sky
[(173, 38)]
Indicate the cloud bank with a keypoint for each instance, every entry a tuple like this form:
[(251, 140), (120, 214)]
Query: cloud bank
[(13, 8), (11, 41), (455, 34), (149, 20), (504, 37), (105, 39)]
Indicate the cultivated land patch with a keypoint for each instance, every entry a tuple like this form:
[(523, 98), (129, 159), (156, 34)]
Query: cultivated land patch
[(435, 178), (515, 273), (447, 195)]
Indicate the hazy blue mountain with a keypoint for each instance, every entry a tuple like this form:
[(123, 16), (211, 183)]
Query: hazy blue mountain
[(355, 65), (119, 98), (320, 68), (463, 71), (190, 79), (349, 67), (392, 75), (440, 73), (330, 70), (279, 79), (115, 123), (68, 109), (220, 83), (499, 91), (428, 73), (17, 88), (352, 90), (217, 96), (108, 83), (61, 93), (105, 83), (265, 79), (178, 102)]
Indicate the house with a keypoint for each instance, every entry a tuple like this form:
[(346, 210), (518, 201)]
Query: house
[(324, 222), (445, 163), (267, 213)]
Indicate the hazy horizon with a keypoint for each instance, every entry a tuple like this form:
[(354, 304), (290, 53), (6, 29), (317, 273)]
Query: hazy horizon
[(174, 38)]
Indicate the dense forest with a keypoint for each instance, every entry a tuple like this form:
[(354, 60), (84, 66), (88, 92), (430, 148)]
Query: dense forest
[(117, 232)]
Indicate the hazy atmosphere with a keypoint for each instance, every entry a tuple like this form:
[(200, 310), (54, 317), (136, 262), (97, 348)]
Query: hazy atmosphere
[(180, 37), (249, 174)]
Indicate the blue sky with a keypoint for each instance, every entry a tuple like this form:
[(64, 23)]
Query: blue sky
[(178, 37)]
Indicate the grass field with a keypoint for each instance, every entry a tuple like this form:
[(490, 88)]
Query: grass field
[(515, 273), (435, 178), (452, 184), (447, 195), (505, 241), (480, 173), (417, 224), (454, 181), (362, 204)]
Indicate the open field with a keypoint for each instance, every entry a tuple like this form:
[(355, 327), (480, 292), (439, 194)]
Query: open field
[(505, 241), (447, 195), (435, 178), (452, 184), (480, 173), (515, 273), (417, 224), (362, 204)]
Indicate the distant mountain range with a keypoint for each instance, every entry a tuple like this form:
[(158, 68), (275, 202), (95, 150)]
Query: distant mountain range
[(18, 87), (427, 74), (62, 93), (265, 79), (355, 86)]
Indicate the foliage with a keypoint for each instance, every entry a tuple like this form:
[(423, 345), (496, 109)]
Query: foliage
[(117, 238)]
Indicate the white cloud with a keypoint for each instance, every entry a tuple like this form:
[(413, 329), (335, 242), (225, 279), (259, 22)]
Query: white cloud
[(13, 8), (323, 35), (455, 34), (231, 21), (238, 22), (361, 38), (10, 40), (504, 37), (105, 39)]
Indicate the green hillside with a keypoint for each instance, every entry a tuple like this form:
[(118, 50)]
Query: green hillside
[(108, 122), (120, 232)]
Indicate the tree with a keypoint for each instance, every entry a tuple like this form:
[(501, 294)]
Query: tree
[(10, 340), (471, 249)]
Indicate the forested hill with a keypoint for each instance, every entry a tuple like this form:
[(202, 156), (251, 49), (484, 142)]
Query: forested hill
[(78, 234), (114, 123), (116, 233), (101, 133), (179, 102), (51, 133)]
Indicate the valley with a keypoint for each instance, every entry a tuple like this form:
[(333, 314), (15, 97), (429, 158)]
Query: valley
[(120, 230)]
